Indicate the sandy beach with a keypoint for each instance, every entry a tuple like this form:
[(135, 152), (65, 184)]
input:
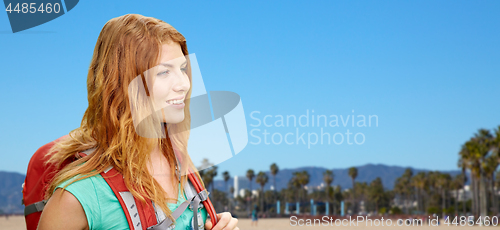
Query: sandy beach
[(17, 223)]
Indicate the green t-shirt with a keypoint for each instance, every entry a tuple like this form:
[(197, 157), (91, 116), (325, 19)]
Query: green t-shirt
[(103, 210)]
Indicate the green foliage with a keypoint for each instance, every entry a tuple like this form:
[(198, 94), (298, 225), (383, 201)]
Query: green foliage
[(450, 210), (396, 210), (219, 199), (433, 210)]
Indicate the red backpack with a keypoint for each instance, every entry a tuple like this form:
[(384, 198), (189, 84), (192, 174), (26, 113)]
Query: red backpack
[(139, 216)]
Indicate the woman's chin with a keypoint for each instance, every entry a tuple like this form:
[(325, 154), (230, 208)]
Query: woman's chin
[(173, 121)]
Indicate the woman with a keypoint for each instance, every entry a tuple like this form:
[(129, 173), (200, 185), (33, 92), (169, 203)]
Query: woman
[(138, 86)]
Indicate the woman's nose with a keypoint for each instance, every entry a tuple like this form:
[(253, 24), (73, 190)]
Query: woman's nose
[(182, 83)]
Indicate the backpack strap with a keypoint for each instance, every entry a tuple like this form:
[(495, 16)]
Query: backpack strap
[(193, 201), (198, 187), (40, 205), (35, 207), (139, 215)]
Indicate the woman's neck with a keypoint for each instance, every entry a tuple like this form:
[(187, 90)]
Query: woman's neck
[(158, 164)]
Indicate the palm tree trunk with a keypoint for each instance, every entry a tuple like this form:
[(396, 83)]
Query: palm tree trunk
[(333, 203), (495, 198), (275, 193), (274, 183), (418, 199), (464, 197), (225, 187), (474, 194), (262, 199), (478, 190), (353, 198), (463, 202), (443, 202), (406, 203), (448, 200), (484, 210), (493, 195), (427, 201), (492, 207)]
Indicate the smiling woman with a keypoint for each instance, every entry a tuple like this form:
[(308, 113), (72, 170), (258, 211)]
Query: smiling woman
[(108, 171), (171, 83)]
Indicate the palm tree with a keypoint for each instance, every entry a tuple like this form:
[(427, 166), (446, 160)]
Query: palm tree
[(250, 176), (419, 182), (203, 170), (208, 176), (212, 174), (226, 177), (462, 163), (497, 181), (475, 152), (406, 180), (484, 141), (353, 173), (496, 141), (399, 188), (300, 179), (443, 182), (274, 171), (304, 180), (376, 192), (403, 187), (468, 160), (262, 179), (457, 184), (490, 167), (294, 183), (328, 177), (231, 190), (231, 197)]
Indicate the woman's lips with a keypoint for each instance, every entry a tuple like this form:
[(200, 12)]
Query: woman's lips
[(178, 106)]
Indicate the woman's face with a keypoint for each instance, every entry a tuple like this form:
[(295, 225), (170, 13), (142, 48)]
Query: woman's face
[(171, 83)]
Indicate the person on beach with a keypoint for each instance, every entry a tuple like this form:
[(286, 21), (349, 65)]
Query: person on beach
[(254, 215), (116, 133)]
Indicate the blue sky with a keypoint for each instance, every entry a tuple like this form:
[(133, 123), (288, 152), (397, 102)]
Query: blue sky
[(430, 71)]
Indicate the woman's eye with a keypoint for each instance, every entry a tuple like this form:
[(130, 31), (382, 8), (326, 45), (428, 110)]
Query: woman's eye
[(184, 69), (163, 73)]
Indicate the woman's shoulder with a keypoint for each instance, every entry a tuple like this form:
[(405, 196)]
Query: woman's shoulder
[(63, 210), (88, 190), (98, 201), (79, 181)]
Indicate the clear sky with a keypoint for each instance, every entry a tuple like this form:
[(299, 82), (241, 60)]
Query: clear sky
[(429, 70)]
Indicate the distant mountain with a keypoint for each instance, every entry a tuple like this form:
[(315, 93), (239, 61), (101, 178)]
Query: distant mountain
[(366, 173), (11, 192)]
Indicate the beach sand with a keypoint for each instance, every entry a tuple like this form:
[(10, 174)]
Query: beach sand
[(17, 223)]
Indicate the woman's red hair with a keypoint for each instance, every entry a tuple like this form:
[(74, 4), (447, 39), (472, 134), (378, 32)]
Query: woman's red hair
[(127, 46)]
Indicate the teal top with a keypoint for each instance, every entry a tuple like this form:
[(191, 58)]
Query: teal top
[(103, 210)]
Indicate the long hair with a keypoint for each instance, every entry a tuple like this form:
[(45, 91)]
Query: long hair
[(126, 47)]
